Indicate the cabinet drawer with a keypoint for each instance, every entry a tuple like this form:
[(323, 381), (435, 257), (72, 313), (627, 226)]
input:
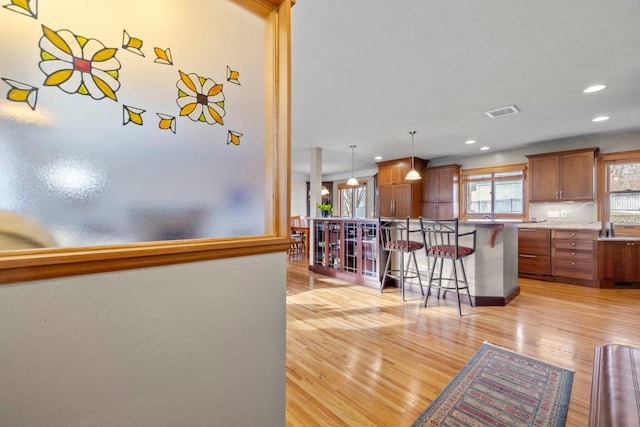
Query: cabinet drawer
[(575, 234), (575, 255), (577, 269), (534, 264), (534, 241), (582, 245)]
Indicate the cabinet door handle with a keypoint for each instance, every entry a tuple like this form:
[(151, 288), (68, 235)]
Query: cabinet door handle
[(527, 256), (556, 194), (573, 254), (573, 264), (561, 194), (573, 243), (573, 234)]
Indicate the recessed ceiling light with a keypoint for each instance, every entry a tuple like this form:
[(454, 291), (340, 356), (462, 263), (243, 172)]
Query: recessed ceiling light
[(601, 118), (377, 158), (470, 141), (594, 88), (485, 148)]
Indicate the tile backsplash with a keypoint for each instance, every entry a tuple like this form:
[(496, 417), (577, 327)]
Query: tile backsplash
[(564, 212)]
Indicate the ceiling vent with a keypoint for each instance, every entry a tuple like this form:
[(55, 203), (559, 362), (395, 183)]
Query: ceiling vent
[(502, 111)]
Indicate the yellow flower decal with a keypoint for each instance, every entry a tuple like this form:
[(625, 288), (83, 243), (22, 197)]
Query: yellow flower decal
[(132, 44), (132, 115), (24, 7), (163, 56), (200, 98), (22, 92), (79, 65), (233, 137), (167, 122), (233, 76)]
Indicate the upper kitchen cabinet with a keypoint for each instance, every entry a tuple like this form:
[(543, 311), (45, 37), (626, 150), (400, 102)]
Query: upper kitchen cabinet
[(398, 197), (565, 176), (440, 192)]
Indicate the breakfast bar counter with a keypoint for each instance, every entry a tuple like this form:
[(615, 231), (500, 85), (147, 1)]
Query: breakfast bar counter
[(348, 248), (492, 271)]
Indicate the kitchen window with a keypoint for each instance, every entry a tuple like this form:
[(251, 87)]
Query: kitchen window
[(352, 200), (497, 192), (619, 186)]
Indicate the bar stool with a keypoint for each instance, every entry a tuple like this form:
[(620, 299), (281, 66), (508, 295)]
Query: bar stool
[(394, 237), (440, 239)]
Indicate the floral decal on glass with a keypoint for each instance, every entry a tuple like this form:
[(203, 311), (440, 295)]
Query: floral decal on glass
[(132, 115), (24, 7), (233, 137), (79, 65), (233, 76), (163, 56), (22, 92), (132, 44), (200, 98), (167, 122)]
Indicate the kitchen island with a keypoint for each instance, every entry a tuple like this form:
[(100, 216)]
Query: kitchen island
[(349, 249), (492, 271)]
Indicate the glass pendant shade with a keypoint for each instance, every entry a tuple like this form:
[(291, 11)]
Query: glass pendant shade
[(413, 174), (324, 191), (352, 181)]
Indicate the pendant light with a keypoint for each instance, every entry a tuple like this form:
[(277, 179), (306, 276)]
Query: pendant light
[(413, 174), (324, 191), (352, 181)]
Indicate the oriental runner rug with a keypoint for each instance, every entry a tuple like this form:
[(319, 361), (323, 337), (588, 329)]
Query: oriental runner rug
[(498, 387)]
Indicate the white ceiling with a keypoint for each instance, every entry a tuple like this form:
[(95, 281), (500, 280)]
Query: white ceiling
[(366, 72)]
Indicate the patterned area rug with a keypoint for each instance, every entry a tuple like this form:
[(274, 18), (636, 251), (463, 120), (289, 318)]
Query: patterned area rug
[(498, 387)]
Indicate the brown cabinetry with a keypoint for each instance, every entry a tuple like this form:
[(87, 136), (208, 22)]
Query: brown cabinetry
[(534, 253), (347, 249), (440, 192), (397, 197), (562, 176), (619, 263), (574, 256)]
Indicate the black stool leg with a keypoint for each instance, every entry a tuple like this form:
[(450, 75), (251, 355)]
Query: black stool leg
[(415, 263), (402, 268), (433, 270), (464, 276), (386, 269), (455, 281), (440, 275)]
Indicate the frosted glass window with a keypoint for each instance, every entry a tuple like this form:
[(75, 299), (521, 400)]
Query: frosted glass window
[(127, 121)]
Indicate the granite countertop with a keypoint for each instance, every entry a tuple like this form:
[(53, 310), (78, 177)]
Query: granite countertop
[(619, 239), (596, 226)]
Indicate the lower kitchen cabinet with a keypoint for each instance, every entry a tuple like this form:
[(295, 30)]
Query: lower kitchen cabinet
[(574, 256), (619, 263), (346, 249), (562, 255), (534, 253)]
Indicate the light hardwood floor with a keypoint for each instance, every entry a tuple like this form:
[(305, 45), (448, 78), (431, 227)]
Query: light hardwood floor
[(356, 357)]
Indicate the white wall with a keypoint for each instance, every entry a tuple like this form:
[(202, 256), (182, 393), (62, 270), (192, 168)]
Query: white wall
[(299, 194), (199, 344)]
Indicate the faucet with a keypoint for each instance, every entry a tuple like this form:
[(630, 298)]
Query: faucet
[(490, 217)]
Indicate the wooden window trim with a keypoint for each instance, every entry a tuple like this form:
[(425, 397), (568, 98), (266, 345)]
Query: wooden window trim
[(605, 160), (344, 186), (36, 264), (465, 173)]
